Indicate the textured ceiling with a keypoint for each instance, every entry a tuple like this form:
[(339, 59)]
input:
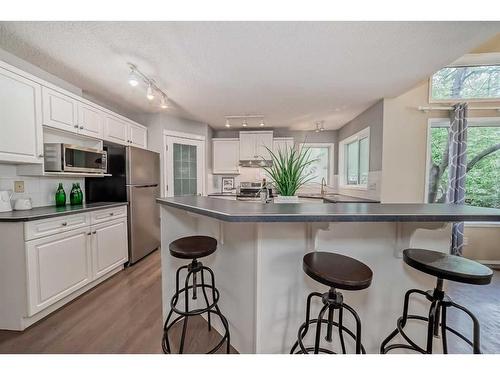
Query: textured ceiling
[(294, 73)]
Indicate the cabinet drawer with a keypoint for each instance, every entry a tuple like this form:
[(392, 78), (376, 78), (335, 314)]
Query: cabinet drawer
[(102, 216), (47, 227)]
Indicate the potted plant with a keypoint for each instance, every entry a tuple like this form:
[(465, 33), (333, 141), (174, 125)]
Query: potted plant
[(287, 172)]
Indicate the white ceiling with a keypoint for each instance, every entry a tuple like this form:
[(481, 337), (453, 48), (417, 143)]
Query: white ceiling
[(294, 73)]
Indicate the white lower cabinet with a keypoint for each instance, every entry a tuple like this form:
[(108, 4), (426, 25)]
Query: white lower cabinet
[(57, 266), (109, 246), (62, 263)]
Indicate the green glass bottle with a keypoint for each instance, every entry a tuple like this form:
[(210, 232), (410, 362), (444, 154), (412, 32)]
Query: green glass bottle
[(80, 193), (73, 196), (60, 196)]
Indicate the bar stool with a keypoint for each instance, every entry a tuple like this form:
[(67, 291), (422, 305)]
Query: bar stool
[(443, 266), (338, 272), (194, 247)]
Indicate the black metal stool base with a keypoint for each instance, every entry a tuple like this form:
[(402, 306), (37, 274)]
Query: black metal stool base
[(211, 308), (436, 322), (332, 301)]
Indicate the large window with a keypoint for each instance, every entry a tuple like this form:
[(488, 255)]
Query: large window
[(354, 158), (322, 167), (481, 82), (482, 183)]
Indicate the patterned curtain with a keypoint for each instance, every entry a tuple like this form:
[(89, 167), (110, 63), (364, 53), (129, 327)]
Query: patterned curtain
[(457, 169)]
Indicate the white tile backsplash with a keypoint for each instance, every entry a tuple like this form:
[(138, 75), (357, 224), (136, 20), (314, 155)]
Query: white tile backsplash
[(41, 190)]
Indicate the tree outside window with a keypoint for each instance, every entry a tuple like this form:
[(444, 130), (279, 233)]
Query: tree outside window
[(482, 184)]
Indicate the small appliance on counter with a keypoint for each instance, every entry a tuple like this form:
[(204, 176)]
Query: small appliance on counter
[(23, 204), (250, 191), (5, 197)]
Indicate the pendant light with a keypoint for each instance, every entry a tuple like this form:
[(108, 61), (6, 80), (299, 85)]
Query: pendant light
[(262, 124), (228, 125), (149, 93), (245, 123)]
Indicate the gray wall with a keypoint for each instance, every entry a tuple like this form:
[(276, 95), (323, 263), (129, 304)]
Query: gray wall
[(373, 117)]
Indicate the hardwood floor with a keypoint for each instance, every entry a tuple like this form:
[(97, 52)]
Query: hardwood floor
[(123, 315)]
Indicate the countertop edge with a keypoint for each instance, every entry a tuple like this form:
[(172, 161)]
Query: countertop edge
[(293, 218), (31, 216)]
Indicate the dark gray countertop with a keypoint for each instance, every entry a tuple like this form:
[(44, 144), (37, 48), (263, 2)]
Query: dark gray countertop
[(38, 213), (237, 211), (338, 198)]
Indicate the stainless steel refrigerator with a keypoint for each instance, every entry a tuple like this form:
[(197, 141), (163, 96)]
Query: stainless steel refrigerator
[(136, 180)]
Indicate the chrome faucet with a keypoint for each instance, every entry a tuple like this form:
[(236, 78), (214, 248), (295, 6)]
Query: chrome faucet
[(323, 185)]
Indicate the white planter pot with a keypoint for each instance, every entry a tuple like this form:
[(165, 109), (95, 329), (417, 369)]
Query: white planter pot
[(286, 199)]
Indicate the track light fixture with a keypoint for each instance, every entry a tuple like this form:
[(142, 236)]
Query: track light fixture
[(244, 120), (149, 92), (136, 76), (163, 103)]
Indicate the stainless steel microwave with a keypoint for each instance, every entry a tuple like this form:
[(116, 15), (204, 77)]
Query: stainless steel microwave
[(63, 157)]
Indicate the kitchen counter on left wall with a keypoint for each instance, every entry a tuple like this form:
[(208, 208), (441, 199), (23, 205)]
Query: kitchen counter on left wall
[(46, 212)]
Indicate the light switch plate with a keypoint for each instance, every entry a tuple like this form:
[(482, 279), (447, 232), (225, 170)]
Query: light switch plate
[(18, 186)]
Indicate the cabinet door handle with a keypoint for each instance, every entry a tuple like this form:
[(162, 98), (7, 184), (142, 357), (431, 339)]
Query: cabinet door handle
[(94, 232), (76, 126), (64, 224), (88, 234), (81, 127), (40, 155), (111, 213)]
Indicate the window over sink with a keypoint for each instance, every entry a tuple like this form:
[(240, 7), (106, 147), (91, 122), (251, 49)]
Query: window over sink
[(354, 158)]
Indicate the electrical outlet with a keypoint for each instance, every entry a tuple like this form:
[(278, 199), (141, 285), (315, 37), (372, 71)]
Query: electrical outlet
[(18, 186)]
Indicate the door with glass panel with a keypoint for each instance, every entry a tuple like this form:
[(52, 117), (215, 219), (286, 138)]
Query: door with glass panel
[(184, 167)]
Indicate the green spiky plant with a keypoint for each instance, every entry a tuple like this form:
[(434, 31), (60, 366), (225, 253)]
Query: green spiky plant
[(287, 170)]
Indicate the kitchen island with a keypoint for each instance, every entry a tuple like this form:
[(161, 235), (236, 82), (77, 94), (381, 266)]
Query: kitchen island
[(258, 263)]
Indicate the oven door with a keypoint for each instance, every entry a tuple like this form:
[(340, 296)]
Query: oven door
[(80, 159)]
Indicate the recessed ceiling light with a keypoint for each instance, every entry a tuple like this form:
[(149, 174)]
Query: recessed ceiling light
[(228, 125)]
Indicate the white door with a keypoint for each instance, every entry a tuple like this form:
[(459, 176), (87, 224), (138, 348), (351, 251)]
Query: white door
[(57, 266), (185, 166), (137, 135), (21, 139), (59, 110), (109, 246), (115, 130), (90, 121)]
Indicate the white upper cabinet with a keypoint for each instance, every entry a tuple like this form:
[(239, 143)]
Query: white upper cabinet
[(226, 155), (283, 144), (60, 111), (21, 139), (254, 144), (90, 121), (115, 130), (137, 135)]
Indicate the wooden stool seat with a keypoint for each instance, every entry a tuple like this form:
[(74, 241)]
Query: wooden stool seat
[(193, 247), (337, 271), (449, 267)]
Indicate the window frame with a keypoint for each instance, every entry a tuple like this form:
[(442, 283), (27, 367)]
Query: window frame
[(477, 59), (331, 153), (443, 122), (357, 137)]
